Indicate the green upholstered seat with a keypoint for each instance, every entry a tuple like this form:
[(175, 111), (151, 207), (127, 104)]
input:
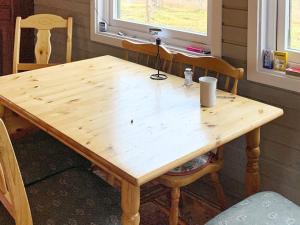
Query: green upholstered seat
[(265, 208), (39, 155), (74, 197)]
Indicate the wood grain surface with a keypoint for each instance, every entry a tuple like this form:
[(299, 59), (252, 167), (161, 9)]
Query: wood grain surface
[(108, 110)]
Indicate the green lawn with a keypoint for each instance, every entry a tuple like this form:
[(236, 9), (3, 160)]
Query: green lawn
[(189, 19), (295, 36), (295, 24), (193, 20)]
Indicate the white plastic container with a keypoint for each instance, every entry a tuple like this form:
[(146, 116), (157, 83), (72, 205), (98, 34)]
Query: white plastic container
[(208, 89), (188, 77)]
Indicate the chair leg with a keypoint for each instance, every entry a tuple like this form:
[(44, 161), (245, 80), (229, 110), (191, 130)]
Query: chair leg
[(219, 189), (174, 211)]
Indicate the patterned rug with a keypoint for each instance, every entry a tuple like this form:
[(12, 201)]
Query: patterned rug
[(194, 208), (194, 211)]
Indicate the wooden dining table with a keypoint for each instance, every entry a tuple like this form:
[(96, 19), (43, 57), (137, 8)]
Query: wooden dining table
[(136, 129)]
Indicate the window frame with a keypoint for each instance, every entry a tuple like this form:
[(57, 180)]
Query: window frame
[(174, 39), (258, 40), (176, 34), (283, 32)]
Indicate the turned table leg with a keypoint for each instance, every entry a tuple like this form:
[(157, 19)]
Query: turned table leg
[(174, 211), (252, 171), (130, 204)]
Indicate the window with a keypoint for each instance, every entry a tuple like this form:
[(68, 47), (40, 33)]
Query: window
[(183, 23), (294, 25), (275, 25), (175, 15), (289, 28)]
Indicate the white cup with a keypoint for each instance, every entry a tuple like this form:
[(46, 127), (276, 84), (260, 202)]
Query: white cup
[(208, 89)]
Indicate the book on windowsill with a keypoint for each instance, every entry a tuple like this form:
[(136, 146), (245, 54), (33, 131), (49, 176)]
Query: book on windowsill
[(293, 71)]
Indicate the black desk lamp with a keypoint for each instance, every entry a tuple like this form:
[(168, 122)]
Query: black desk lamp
[(158, 75)]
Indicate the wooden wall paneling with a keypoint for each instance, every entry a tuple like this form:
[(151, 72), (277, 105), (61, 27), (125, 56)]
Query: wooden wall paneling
[(269, 183), (274, 96), (80, 20), (235, 17), (234, 4), (9, 10), (72, 6), (235, 51), (280, 153), (26, 8), (235, 35), (6, 45), (282, 135), (291, 119)]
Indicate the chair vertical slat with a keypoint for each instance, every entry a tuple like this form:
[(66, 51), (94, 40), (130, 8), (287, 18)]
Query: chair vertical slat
[(138, 57), (206, 73), (150, 51), (170, 66), (227, 83), (3, 187), (235, 87), (180, 69), (164, 68), (194, 69), (43, 47), (16, 59), (69, 40), (126, 56)]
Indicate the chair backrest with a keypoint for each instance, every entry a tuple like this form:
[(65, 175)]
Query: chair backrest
[(147, 51), (12, 191), (211, 64), (43, 23)]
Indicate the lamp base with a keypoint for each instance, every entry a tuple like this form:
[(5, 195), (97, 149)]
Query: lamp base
[(158, 76)]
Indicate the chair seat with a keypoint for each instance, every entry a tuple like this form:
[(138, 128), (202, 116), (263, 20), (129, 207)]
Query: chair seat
[(192, 166), (265, 208), (73, 197), (40, 155)]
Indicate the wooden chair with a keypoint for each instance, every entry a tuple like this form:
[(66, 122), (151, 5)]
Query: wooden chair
[(147, 52), (12, 191), (175, 182), (211, 64), (13, 195), (43, 23)]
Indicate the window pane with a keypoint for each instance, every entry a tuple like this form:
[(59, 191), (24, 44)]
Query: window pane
[(188, 15), (294, 24)]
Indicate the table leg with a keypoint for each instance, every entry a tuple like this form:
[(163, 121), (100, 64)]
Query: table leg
[(252, 171), (130, 204)]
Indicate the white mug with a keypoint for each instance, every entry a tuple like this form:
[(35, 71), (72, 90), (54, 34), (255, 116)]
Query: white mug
[(208, 89)]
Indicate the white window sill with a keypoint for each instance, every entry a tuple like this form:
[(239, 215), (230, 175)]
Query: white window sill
[(114, 39), (275, 78)]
